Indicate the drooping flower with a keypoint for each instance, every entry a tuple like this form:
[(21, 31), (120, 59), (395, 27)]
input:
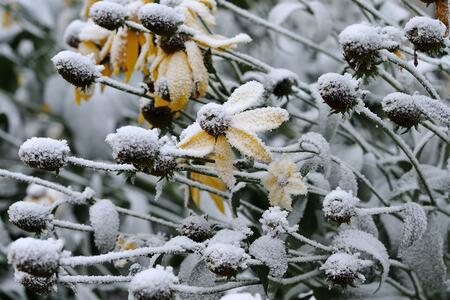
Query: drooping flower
[(218, 127), (283, 181)]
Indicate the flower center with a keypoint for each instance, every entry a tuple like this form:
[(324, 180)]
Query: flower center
[(213, 119)]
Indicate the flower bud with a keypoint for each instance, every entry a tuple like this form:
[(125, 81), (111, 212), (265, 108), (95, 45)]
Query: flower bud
[(340, 92), (153, 284), (36, 284), (225, 259), (160, 19), (339, 206), (343, 268), (401, 109), (108, 14), (44, 153), (425, 33), (29, 216), (197, 228)]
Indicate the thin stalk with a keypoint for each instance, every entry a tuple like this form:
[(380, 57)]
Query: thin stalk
[(296, 279), (72, 226), (124, 87)]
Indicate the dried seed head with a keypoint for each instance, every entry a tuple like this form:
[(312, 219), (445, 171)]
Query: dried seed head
[(280, 82), (29, 216), (77, 69), (340, 92), (34, 256), (109, 15), (72, 31), (44, 153), (173, 43), (225, 259), (401, 109), (134, 145), (339, 206), (425, 33), (197, 228), (163, 165), (159, 117), (343, 268), (36, 284), (213, 119), (160, 19), (153, 284)]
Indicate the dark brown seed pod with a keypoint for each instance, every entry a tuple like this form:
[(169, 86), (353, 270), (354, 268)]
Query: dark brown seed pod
[(160, 19), (401, 109)]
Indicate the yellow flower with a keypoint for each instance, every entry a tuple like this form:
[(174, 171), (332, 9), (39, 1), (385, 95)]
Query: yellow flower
[(212, 182), (218, 127), (283, 181)]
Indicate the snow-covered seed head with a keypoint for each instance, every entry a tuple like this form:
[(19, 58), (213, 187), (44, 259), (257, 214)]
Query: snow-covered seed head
[(104, 219), (162, 88), (197, 228), (163, 165), (160, 19), (71, 34), (34, 256), (107, 14), (213, 119), (339, 206), (153, 284), (77, 69), (159, 117), (173, 43), (44, 153), (36, 284), (274, 221), (225, 259), (272, 252), (401, 109), (425, 33), (134, 145), (29, 216), (280, 82), (340, 92), (342, 268)]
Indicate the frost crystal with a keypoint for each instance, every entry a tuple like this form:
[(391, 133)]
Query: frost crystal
[(340, 92), (153, 284), (213, 119), (77, 69), (44, 153), (342, 268), (36, 257), (339, 205), (280, 82), (104, 219), (272, 252), (196, 228), (401, 109), (425, 33), (107, 14), (29, 216), (274, 221), (160, 19), (225, 259), (241, 296), (71, 34)]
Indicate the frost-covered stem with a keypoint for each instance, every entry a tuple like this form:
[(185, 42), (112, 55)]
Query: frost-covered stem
[(271, 26), (108, 257), (434, 61), (137, 27), (72, 226), (410, 68), (302, 259), (199, 290), (309, 241), (403, 146), (296, 279), (217, 92), (391, 80), (412, 275), (400, 288), (211, 172), (132, 213), (414, 8), (372, 11), (9, 138), (200, 186), (430, 126), (123, 87), (100, 165), (103, 279), (378, 210)]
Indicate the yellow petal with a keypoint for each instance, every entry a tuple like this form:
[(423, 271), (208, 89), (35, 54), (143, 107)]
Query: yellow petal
[(179, 80), (212, 182), (244, 97), (223, 156), (295, 186), (197, 140), (88, 47), (248, 144), (77, 96), (6, 18), (199, 71), (195, 194), (141, 119), (132, 54), (260, 119), (145, 47), (86, 6), (278, 197)]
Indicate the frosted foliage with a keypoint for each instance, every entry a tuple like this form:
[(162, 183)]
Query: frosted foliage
[(364, 223), (154, 283), (315, 142), (348, 181), (364, 38), (414, 225), (339, 205), (29, 216), (343, 268), (225, 259), (241, 296), (36, 190), (272, 252), (105, 220), (213, 119), (274, 221), (108, 14), (182, 243), (433, 109), (44, 153)]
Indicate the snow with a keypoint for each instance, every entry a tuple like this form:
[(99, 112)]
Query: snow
[(104, 219), (108, 14), (225, 258), (433, 109), (196, 228), (425, 30), (274, 221), (183, 243), (228, 236), (272, 252), (241, 296), (29, 216), (213, 119), (36, 190), (44, 153), (154, 283), (34, 256), (339, 205), (71, 34), (343, 268), (160, 19)]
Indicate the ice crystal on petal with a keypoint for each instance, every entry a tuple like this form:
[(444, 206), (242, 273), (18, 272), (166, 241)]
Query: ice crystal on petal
[(44, 153), (104, 219), (154, 283), (272, 252)]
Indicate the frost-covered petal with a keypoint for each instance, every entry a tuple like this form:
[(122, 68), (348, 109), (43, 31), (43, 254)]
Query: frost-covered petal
[(260, 119), (223, 156), (179, 80), (248, 144), (195, 139), (199, 71), (244, 97)]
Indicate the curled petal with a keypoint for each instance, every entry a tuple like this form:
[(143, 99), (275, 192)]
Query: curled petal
[(260, 119), (179, 80), (248, 144), (199, 71), (219, 42), (223, 155), (195, 139), (244, 97)]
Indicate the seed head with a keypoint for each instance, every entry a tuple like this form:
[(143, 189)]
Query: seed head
[(160, 19), (29, 216), (339, 206), (425, 33), (72, 31), (159, 117), (36, 284), (153, 284), (109, 15), (340, 92), (213, 119), (197, 228), (173, 43), (44, 153), (225, 259), (401, 109), (343, 268)]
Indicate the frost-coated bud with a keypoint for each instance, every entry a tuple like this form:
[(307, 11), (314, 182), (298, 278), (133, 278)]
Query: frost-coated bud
[(160, 19), (29, 216), (153, 284), (134, 145), (44, 153), (159, 117), (108, 14), (36, 284), (173, 43), (274, 221), (340, 92), (225, 259), (401, 109), (36, 257), (104, 220), (197, 228), (272, 252), (72, 31), (213, 119), (280, 82), (339, 206), (343, 268), (425, 33), (77, 69)]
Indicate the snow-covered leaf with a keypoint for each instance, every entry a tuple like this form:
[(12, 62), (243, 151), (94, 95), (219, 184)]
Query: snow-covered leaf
[(414, 225)]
